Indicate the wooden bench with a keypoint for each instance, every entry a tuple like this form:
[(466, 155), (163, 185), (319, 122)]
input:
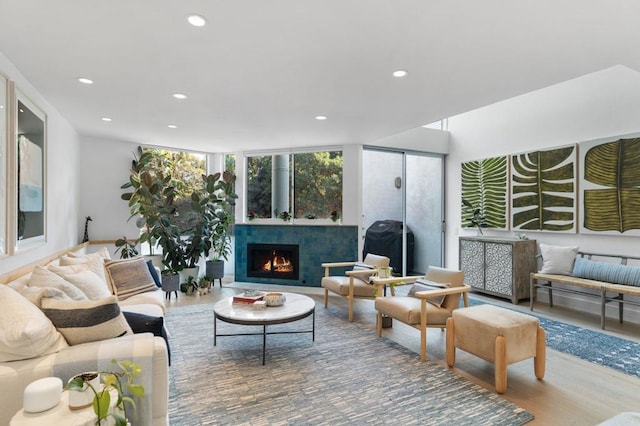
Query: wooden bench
[(607, 292)]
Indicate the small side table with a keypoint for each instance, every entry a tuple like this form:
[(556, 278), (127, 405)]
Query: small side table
[(61, 414)]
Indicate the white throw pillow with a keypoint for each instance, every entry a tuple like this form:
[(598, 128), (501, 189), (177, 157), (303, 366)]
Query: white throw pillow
[(84, 278), (557, 259), (82, 321), (42, 277), (25, 331), (102, 254), (96, 263)]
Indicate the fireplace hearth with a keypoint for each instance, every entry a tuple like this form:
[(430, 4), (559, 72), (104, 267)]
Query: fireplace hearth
[(273, 261)]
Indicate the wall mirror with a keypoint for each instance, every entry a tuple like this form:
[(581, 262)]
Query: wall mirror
[(3, 165), (31, 154)]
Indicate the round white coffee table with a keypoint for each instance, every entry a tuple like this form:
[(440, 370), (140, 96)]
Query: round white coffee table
[(296, 307)]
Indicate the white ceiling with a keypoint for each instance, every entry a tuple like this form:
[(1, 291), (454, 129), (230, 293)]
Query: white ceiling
[(261, 70)]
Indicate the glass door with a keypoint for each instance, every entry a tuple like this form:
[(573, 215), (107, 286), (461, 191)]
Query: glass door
[(403, 199)]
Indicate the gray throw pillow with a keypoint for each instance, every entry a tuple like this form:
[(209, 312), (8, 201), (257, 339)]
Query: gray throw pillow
[(426, 285)]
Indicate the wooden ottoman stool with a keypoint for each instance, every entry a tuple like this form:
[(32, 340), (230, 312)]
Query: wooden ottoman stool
[(499, 336)]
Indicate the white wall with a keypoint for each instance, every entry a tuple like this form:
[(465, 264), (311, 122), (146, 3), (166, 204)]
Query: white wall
[(62, 186), (602, 104)]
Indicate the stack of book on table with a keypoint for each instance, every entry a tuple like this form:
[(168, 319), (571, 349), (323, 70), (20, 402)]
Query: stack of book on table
[(250, 298)]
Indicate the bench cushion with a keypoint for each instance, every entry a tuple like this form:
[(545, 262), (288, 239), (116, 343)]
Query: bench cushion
[(557, 259), (607, 272)]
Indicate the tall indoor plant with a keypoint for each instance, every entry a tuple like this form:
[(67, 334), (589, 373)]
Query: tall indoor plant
[(147, 192), (222, 196)]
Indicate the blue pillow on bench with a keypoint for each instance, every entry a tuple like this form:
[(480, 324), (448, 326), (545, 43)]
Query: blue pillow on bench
[(607, 272)]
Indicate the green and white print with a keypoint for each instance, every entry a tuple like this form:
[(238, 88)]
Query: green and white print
[(543, 190), (484, 187)]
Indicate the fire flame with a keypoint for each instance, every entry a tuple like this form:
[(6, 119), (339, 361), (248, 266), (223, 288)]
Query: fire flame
[(280, 264)]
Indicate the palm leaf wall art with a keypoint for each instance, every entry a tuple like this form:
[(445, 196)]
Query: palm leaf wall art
[(611, 199), (484, 186), (543, 190)]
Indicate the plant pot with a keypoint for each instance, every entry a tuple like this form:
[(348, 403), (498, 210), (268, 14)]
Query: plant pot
[(170, 282), (202, 291), (189, 272), (215, 269), (84, 398)]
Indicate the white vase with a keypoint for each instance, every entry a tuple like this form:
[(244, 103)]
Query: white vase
[(84, 398)]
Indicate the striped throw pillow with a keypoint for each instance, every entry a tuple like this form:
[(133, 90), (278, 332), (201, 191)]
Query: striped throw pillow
[(129, 277), (82, 321)]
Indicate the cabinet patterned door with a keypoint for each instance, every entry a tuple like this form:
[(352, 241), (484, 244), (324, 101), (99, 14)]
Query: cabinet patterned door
[(499, 263), (472, 262)]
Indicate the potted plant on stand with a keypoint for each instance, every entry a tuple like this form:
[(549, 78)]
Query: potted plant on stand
[(220, 190)]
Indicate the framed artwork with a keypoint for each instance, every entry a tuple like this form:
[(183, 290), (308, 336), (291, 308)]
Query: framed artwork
[(543, 190), (610, 186), (485, 193), (30, 187), (3, 164)]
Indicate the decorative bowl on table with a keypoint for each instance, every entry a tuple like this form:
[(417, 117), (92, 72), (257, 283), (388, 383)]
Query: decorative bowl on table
[(274, 299)]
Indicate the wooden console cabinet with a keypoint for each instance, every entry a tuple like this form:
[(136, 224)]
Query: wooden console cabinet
[(498, 266)]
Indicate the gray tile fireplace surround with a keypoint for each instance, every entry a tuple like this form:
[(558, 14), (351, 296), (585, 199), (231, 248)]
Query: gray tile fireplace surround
[(317, 244)]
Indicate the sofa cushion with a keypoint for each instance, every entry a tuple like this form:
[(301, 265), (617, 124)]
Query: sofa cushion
[(607, 272), (557, 259), (82, 321), (83, 277), (96, 263), (101, 254), (154, 274), (25, 332), (129, 277), (141, 323), (44, 278)]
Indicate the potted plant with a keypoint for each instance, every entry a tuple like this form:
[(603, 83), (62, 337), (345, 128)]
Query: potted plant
[(204, 285), (126, 248), (220, 190), (189, 286), (145, 193), (117, 381)]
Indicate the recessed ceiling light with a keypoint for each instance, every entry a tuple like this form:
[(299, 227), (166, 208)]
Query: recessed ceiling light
[(105, 119), (172, 126), (84, 80), (197, 20), (321, 117), (400, 73), (179, 96)]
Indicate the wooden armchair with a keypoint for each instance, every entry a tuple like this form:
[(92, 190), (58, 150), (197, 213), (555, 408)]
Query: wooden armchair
[(416, 310), (354, 284)]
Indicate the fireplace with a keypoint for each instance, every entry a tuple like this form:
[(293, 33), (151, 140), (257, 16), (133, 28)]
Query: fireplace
[(273, 261)]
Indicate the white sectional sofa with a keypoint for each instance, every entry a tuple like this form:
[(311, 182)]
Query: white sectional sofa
[(55, 357)]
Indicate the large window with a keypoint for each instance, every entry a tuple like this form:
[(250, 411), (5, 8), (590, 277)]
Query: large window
[(305, 185), (186, 170)]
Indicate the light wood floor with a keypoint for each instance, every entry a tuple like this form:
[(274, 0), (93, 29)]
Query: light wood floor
[(573, 392)]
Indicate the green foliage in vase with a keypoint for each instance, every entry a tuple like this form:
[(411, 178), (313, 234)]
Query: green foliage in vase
[(484, 193), (122, 381), (543, 190), (613, 165)]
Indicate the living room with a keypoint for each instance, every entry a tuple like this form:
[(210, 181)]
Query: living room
[(573, 90)]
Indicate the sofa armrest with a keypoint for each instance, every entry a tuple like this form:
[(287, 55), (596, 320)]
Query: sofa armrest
[(148, 351)]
